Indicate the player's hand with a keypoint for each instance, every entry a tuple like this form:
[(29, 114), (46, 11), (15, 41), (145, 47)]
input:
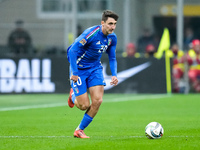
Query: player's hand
[(114, 81), (74, 78)]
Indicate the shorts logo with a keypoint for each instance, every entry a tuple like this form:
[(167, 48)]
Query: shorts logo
[(76, 90), (83, 42)]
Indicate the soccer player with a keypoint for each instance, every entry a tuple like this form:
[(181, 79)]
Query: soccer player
[(86, 70)]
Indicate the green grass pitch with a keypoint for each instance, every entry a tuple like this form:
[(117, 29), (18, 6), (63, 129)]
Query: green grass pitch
[(45, 122)]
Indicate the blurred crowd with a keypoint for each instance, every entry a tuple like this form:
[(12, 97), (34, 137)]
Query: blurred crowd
[(19, 42), (186, 63)]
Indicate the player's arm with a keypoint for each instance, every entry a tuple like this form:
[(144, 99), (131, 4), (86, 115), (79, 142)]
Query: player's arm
[(77, 45), (73, 58), (113, 63)]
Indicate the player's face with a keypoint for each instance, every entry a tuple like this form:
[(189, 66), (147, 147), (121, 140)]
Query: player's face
[(109, 26)]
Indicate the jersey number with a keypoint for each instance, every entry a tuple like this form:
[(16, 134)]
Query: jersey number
[(103, 48)]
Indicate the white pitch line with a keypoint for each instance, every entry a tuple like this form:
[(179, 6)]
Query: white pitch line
[(35, 137), (33, 106), (135, 98), (126, 98), (10, 137)]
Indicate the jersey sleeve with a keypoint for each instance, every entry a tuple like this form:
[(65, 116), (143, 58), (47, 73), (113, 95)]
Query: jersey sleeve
[(112, 56), (78, 45), (72, 54)]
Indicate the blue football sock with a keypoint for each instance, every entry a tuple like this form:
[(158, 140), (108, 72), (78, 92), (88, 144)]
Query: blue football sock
[(73, 97), (85, 121)]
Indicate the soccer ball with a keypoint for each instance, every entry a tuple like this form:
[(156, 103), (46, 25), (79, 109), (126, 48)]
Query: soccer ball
[(154, 130)]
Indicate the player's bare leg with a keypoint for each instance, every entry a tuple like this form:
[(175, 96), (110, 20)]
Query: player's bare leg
[(82, 102), (96, 94)]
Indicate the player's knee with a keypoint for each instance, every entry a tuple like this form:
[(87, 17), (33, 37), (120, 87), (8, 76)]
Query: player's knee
[(98, 102), (84, 106)]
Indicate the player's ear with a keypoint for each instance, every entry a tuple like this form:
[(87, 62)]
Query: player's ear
[(102, 22)]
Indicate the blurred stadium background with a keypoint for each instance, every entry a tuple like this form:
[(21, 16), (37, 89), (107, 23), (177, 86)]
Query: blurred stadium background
[(31, 118), (54, 24)]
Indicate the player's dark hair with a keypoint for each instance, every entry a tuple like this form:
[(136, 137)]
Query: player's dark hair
[(109, 13)]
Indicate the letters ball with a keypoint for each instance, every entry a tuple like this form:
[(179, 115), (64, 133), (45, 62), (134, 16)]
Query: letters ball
[(154, 130)]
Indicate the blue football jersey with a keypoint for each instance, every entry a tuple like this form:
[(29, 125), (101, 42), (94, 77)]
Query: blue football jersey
[(87, 49)]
